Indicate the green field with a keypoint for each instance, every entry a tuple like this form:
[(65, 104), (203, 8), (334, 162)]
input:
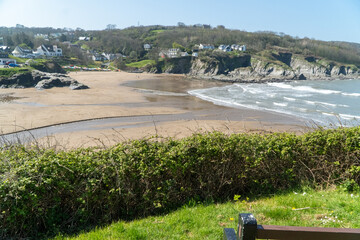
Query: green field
[(141, 64), (330, 208)]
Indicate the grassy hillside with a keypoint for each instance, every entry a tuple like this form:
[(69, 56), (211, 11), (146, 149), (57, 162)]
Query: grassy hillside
[(132, 40)]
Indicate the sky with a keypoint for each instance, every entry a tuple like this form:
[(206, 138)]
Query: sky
[(328, 20)]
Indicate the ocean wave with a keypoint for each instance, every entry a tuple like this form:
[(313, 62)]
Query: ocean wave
[(329, 114), (290, 99), (280, 85), (349, 116), (351, 94), (304, 88), (280, 104)]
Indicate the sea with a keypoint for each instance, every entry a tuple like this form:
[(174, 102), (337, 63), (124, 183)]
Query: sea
[(322, 102)]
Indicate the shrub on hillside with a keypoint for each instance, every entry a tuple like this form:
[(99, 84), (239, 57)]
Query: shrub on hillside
[(43, 191)]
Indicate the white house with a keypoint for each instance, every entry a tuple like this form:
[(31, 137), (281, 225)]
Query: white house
[(112, 56), (206, 47), (225, 48), (238, 47), (184, 54), (147, 47), (5, 48), (5, 60), (22, 52), (48, 51), (195, 54), (170, 53), (84, 38), (173, 52), (98, 57), (222, 47)]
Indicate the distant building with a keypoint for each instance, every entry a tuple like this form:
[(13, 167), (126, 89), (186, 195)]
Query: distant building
[(5, 60), (98, 57), (84, 38), (184, 54), (147, 46), (195, 54), (48, 51), (40, 35), (4, 49), (20, 26), (111, 56), (23, 52), (222, 47), (173, 52), (170, 53), (225, 48), (206, 47)]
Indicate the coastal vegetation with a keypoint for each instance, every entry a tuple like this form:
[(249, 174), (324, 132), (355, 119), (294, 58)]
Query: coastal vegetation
[(300, 207), (44, 192)]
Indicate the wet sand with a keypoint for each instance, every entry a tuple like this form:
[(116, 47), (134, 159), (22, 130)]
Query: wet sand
[(119, 94)]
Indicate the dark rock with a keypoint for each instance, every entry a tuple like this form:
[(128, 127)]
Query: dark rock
[(40, 80), (284, 57), (78, 86), (302, 77), (50, 67), (311, 59), (23, 80)]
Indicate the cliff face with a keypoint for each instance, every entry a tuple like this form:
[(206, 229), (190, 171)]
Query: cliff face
[(278, 67)]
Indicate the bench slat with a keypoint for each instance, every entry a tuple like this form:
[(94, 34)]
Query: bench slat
[(309, 233)]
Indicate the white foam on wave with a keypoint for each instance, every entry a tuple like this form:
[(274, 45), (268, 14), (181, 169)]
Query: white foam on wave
[(290, 99), (333, 105), (348, 116), (310, 102), (280, 85), (218, 101), (280, 104), (304, 88), (313, 90), (329, 114), (351, 94)]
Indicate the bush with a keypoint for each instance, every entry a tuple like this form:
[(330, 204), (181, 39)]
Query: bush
[(43, 192)]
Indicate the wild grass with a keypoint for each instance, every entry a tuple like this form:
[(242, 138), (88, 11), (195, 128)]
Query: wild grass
[(141, 64), (304, 207)]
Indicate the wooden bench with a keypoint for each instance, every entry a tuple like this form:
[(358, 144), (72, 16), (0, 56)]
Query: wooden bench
[(249, 230)]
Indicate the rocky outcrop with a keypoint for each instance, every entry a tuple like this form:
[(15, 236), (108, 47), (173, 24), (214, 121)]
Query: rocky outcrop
[(278, 67), (41, 80), (48, 66)]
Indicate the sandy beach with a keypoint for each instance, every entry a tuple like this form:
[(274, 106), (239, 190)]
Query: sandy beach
[(120, 94)]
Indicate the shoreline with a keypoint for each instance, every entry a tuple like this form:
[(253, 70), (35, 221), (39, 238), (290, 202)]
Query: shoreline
[(229, 80), (117, 95)]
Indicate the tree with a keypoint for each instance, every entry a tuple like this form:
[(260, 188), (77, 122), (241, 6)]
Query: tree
[(110, 26), (9, 41), (181, 24), (21, 37), (176, 45), (133, 55), (63, 38), (153, 54)]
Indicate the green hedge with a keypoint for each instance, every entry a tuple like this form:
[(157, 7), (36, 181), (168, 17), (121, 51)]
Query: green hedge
[(43, 192)]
